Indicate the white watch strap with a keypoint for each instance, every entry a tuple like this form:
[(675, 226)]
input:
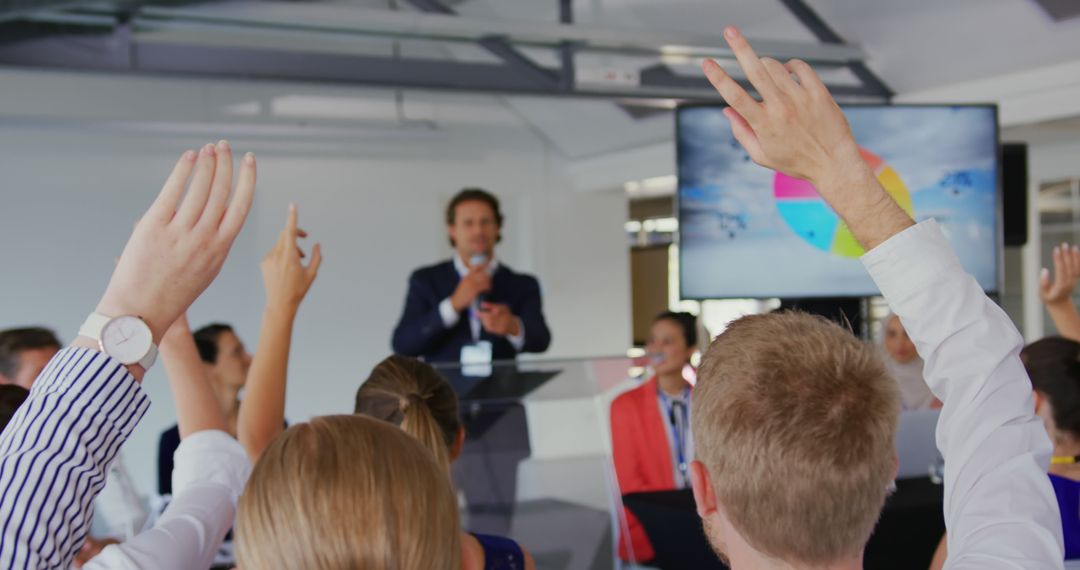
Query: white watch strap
[(151, 356), (92, 327)]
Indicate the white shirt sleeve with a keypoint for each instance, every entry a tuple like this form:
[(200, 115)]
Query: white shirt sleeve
[(1000, 509), (119, 511), (210, 473), (450, 317), (518, 341)]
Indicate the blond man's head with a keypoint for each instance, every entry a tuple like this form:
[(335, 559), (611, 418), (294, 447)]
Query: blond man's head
[(794, 422)]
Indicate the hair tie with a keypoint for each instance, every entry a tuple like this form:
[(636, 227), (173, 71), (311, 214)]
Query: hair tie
[(411, 400)]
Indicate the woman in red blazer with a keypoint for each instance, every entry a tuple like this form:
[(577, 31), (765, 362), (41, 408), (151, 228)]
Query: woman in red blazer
[(650, 426)]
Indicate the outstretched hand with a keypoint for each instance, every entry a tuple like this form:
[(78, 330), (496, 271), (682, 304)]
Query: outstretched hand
[(286, 278), (798, 129), (1058, 288), (181, 242)]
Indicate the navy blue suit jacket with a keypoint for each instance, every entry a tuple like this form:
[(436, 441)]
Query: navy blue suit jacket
[(420, 332)]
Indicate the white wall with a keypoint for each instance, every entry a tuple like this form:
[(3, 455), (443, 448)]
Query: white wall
[(76, 174)]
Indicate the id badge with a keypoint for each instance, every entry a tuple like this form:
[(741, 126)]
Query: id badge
[(476, 359)]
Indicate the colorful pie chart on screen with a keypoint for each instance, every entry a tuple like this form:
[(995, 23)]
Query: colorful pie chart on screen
[(807, 214)]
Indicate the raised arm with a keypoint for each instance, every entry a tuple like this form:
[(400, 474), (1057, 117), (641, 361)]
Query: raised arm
[(197, 408), (1056, 290), (59, 445), (211, 470), (797, 128), (1000, 510), (287, 281)]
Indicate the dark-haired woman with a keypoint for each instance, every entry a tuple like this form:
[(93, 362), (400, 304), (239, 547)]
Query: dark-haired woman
[(650, 426), (1053, 364)]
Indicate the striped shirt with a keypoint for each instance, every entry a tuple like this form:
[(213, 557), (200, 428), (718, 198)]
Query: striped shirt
[(55, 452)]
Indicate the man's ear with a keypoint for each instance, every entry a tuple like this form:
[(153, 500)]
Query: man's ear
[(704, 495)]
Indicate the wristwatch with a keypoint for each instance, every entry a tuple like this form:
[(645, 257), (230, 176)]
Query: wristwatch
[(126, 338)]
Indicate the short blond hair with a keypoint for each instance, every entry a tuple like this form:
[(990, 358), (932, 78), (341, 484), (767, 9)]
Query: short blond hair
[(347, 492), (795, 420)]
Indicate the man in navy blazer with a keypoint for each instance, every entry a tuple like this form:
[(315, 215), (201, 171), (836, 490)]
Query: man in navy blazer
[(468, 301), (472, 297)]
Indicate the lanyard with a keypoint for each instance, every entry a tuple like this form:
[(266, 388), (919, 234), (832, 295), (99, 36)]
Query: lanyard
[(474, 321), (678, 432)]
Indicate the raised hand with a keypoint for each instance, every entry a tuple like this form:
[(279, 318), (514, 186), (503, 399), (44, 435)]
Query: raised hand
[(287, 281), (798, 129), (181, 242), (285, 277), (1057, 288)]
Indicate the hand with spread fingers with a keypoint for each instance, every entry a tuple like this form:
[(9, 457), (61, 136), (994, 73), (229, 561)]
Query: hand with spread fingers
[(1056, 290), (181, 242), (798, 129)]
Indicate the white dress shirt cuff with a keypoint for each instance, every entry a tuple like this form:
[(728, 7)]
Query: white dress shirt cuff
[(450, 317), (518, 341), (910, 261), (210, 457)]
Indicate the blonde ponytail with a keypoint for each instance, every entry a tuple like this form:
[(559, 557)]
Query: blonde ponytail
[(419, 422), (413, 396)]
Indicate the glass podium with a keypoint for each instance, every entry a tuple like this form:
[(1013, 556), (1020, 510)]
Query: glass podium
[(536, 465)]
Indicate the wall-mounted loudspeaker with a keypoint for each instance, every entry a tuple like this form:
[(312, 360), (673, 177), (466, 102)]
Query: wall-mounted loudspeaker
[(1014, 192)]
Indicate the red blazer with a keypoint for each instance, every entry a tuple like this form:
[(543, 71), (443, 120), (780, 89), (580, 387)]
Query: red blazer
[(642, 458)]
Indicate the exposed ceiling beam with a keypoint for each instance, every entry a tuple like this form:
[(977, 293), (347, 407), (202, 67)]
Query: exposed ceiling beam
[(499, 47), (817, 26), (210, 55), (119, 53), (343, 44), (437, 26)]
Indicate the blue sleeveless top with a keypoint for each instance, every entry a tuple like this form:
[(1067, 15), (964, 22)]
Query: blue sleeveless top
[(1068, 498), (500, 553)]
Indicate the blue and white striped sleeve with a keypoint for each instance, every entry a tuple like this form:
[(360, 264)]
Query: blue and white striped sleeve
[(55, 452)]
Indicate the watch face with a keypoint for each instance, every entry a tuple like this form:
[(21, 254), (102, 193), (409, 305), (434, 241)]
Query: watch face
[(126, 339)]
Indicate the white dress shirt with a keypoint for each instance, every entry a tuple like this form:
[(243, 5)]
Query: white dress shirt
[(1000, 509), (210, 472), (450, 317), (119, 511)]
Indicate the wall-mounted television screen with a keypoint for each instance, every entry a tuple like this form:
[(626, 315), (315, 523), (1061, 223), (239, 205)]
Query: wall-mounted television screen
[(747, 231)]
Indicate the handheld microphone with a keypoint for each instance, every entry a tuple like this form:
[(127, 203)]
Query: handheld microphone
[(475, 260)]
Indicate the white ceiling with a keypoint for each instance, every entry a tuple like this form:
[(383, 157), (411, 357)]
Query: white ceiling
[(917, 44), (912, 45)]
